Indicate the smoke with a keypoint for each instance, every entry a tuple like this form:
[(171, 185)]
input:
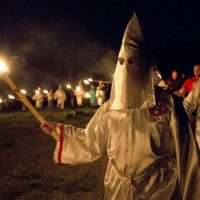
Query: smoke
[(49, 54)]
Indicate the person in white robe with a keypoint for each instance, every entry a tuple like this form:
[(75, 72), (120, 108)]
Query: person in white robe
[(152, 153), (100, 93), (79, 94), (39, 98), (60, 96), (192, 107)]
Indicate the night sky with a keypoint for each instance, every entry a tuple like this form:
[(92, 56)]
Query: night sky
[(52, 42)]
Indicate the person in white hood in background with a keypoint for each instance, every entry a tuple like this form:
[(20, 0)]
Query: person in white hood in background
[(39, 98), (100, 93), (79, 94), (146, 143), (60, 96)]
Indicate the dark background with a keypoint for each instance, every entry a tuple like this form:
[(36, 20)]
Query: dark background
[(52, 42)]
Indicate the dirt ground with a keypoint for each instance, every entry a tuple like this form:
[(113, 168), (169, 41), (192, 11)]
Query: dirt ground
[(27, 170)]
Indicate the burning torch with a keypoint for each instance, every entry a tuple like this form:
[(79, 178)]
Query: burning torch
[(11, 84)]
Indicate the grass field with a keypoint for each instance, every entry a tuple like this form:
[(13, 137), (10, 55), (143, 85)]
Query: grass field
[(27, 170)]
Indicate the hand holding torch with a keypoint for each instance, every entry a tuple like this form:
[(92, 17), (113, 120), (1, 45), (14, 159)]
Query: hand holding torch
[(11, 84)]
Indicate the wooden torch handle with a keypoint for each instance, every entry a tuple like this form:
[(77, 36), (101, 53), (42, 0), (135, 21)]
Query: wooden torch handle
[(27, 103)]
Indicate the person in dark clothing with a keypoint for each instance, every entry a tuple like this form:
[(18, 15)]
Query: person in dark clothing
[(175, 82)]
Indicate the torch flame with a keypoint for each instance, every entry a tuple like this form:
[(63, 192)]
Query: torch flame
[(3, 67), (68, 86), (87, 95), (11, 96), (86, 82), (23, 91), (45, 91), (37, 92), (78, 88)]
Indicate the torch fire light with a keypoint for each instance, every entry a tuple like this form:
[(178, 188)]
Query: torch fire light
[(68, 86), (86, 82), (87, 95), (37, 92), (78, 88), (11, 84), (45, 91), (23, 91), (11, 96)]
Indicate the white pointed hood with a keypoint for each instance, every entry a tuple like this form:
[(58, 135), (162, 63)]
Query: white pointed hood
[(133, 86)]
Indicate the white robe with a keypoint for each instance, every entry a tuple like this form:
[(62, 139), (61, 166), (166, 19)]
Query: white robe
[(38, 100), (61, 98), (192, 104), (147, 159)]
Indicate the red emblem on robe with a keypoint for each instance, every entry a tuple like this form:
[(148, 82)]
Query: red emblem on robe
[(159, 109)]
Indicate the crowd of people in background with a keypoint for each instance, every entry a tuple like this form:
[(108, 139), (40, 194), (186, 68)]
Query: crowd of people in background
[(188, 90), (94, 94), (177, 84)]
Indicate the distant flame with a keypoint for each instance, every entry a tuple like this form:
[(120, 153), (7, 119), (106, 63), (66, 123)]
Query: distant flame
[(78, 88), (87, 95), (86, 82), (68, 86), (45, 91), (23, 91), (11, 96)]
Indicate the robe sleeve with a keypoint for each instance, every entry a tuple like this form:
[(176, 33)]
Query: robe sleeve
[(191, 102), (186, 152), (78, 145)]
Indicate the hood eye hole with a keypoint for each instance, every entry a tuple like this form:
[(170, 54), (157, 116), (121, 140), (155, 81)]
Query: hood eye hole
[(131, 61), (121, 61)]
